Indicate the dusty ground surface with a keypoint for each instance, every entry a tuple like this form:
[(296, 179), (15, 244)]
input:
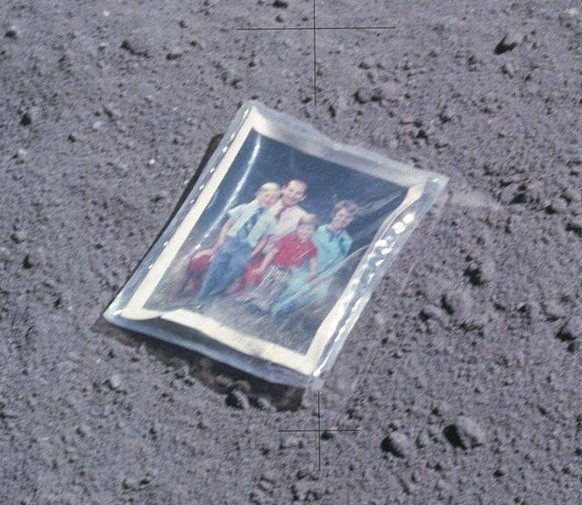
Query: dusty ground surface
[(463, 375)]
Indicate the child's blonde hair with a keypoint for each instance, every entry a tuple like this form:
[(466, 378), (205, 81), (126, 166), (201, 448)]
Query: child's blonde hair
[(269, 186)]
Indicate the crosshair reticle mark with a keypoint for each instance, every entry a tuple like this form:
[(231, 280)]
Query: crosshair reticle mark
[(315, 28), (319, 431)]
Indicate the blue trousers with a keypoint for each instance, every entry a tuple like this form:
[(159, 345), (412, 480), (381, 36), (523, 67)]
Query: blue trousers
[(228, 264), (299, 293)]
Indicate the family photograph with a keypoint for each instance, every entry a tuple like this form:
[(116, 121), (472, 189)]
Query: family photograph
[(277, 246)]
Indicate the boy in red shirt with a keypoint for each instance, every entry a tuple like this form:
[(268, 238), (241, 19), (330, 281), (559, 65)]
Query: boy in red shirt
[(289, 252)]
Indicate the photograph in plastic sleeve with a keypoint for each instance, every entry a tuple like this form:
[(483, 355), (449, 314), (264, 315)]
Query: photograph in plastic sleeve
[(262, 259)]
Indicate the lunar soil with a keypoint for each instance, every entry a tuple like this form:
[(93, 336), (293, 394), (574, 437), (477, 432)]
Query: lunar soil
[(463, 376)]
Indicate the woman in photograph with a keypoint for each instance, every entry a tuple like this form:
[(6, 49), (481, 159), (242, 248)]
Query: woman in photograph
[(333, 245)]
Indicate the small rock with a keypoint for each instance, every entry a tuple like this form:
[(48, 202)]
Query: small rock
[(28, 262), (12, 33), (82, 430), (571, 330), (422, 440), (508, 69), (571, 195), (575, 225), (389, 91), (97, 125), (398, 444), (111, 111), (269, 476), (137, 45), (365, 64), (290, 443), (114, 382), (21, 155), (174, 54), (553, 310), (480, 272), (511, 40), (446, 115), (465, 433), (74, 137), (130, 483), (281, 4), (18, 237), (557, 206), (30, 116), (182, 372), (364, 95), (458, 303), (500, 471), (429, 312)]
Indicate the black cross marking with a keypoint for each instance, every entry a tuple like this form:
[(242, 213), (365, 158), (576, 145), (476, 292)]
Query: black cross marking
[(315, 29), (318, 430)]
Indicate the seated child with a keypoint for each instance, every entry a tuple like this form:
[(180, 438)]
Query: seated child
[(290, 252), (242, 237)]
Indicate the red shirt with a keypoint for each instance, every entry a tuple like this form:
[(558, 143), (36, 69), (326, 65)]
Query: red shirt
[(292, 252)]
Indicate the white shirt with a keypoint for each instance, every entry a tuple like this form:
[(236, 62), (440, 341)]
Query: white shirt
[(286, 222)]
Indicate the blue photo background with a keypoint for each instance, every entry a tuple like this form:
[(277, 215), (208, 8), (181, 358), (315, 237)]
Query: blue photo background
[(262, 159)]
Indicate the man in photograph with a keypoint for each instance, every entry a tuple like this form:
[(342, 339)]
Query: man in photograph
[(287, 214)]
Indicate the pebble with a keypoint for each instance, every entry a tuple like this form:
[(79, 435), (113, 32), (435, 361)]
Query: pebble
[(468, 433), (281, 4), (114, 382), (238, 400), (12, 32), (508, 69), (571, 330), (30, 117), (458, 303), (174, 54), (111, 111), (481, 272), (18, 237), (557, 206), (290, 443), (28, 262), (365, 64), (553, 310), (306, 492), (137, 46), (182, 372), (390, 91), (423, 439), (571, 195), (446, 115), (432, 312), (21, 155), (398, 444), (364, 95), (575, 225), (511, 40)]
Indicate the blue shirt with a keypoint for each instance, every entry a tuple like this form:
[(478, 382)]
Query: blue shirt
[(331, 248), (265, 225)]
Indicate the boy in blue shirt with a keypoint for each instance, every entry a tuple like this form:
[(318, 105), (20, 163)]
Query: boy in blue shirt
[(242, 237)]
